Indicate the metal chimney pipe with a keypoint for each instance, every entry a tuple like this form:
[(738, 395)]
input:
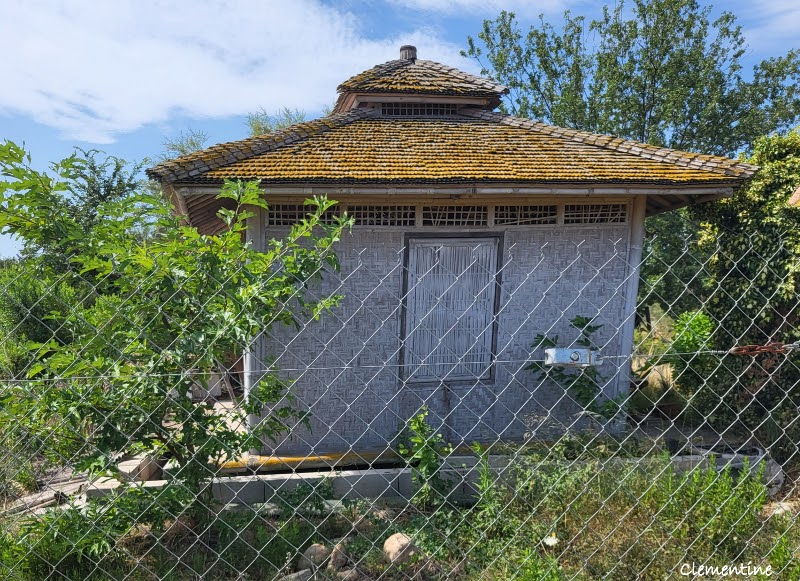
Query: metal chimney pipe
[(408, 52)]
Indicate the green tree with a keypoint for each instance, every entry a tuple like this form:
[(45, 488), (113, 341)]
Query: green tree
[(667, 76), (37, 292), (186, 142), (754, 241), (94, 179), (261, 122), (166, 312)]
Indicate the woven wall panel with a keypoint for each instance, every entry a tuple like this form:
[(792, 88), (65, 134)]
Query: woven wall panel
[(359, 399)]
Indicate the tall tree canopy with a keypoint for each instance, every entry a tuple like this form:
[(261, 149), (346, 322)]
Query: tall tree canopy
[(661, 73), (262, 122)]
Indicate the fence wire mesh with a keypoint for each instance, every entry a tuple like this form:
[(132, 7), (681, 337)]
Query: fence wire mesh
[(393, 413)]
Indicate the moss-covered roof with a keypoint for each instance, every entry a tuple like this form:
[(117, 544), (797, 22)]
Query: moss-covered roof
[(420, 77), (361, 146)]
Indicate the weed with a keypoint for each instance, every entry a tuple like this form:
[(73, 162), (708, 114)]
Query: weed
[(714, 511), (488, 512), (425, 452), (783, 559), (306, 497)]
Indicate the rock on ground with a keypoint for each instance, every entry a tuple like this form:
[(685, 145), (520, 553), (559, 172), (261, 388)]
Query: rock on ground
[(338, 557), (304, 575), (314, 556), (399, 548)]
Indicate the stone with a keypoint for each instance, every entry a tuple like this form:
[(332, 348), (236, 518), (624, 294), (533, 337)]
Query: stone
[(304, 575), (385, 513), (349, 575), (787, 508), (314, 557), (338, 557), (399, 548)]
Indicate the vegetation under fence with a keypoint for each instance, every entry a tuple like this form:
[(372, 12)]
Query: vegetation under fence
[(547, 514)]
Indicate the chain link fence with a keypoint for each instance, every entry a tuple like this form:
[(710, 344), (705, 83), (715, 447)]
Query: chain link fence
[(444, 406)]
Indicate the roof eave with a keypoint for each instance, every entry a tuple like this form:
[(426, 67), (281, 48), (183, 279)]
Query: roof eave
[(659, 198)]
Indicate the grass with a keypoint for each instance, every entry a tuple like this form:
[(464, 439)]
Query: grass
[(553, 514)]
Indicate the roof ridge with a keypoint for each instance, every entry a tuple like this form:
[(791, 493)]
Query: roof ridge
[(397, 64), (199, 162), (713, 163)]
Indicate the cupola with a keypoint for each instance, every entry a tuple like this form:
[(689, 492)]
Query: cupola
[(409, 86)]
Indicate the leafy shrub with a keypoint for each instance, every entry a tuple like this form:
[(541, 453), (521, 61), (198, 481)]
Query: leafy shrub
[(693, 335), (79, 538), (425, 451), (754, 238), (32, 308), (166, 311)]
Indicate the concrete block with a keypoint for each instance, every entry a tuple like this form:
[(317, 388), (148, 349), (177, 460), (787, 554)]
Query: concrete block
[(405, 484), (105, 486), (278, 484), (372, 483), (143, 467), (238, 489)]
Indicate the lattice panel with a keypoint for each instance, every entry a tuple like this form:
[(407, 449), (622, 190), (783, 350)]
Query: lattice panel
[(291, 214), (383, 215), (455, 216), (520, 215), (595, 213), (419, 109)]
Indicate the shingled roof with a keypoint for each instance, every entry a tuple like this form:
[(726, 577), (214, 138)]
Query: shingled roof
[(410, 76), (362, 146), (366, 145)]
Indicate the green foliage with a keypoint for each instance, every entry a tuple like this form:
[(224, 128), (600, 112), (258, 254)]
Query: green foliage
[(166, 312), (492, 498), (305, 497), (673, 276), (585, 384), (693, 332), (660, 72), (425, 451), (94, 179), (32, 308), (691, 365), (755, 273), (262, 123), (77, 538), (717, 511), (186, 142), (531, 566), (783, 559), (558, 479)]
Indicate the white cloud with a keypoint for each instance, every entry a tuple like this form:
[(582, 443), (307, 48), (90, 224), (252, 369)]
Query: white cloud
[(93, 70), (770, 26), (488, 8)]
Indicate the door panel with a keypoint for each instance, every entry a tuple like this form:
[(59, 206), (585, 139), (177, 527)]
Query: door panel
[(450, 302)]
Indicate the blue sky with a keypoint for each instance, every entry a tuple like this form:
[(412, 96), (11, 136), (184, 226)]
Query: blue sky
[(123, 76)]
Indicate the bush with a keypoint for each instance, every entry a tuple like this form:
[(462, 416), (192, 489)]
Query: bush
[(166, 311), (33, 308)]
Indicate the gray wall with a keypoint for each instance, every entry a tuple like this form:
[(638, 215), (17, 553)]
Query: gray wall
[(345, 365)]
